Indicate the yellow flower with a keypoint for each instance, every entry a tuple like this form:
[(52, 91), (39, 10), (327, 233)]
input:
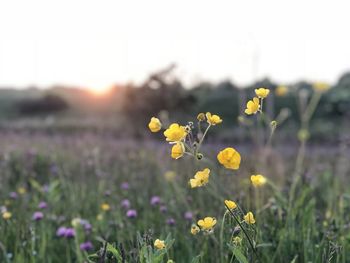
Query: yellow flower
[(201, 178), (169, 175), (213, 119), (207, 223), (154, 125), (237, 240), (195, 230), (201, 116), (320, 86), (281, 91), (159, 244), (258, 180), (175, 133), (76, 222), (21, 190), (253, 106), (177, 150), (6, 215), (99, 217), (229, 158), (262, 93), (249, 218), (105, 207), (230, 204)]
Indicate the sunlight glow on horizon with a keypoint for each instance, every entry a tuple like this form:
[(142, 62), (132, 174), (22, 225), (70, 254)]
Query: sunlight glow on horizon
[(94, 44)]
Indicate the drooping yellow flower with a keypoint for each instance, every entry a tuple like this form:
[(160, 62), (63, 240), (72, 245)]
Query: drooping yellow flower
[(195, 230), (281, 91), (201, 178), (258, 180), (175, 133), (154, 125), (262, 92), (105, 207), (201, 116), (253, 106), (6, 215), (249, 218), (207, 223), (321, 86), (229, 158), (213, 119), (21, 190), (230, 204), (177, 150), (159, 244)]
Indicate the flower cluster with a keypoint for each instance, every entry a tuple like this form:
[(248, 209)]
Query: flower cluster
[(255, 105)]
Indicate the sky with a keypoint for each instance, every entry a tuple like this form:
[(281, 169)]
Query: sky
[(96, 44)]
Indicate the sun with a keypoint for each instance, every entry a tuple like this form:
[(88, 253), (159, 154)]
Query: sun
[(99, 91)]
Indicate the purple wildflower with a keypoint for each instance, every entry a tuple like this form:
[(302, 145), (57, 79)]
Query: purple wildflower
[(86, 246), (42, 205), (37, 216), (13, 195), (61, 231), (188, 215), (171, 221), (70, 233), (163, 209), (132, 213), (155, 200), (125, 186), (125, 204)]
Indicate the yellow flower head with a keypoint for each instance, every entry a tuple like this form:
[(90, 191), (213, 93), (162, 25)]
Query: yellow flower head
[(175, 133), (229, 158), (99, 217), (237, 241), (21, 190), (155, 125), (230, 204), (281, 91), (207, 223), (105, 207), (76, 222), (6, 215), (169, 175), (213, 119), (262, 93), (320, 86), (201, 178), (249, 218), (195, 230), (159, 244), (177, 150), (253, 106), (201, 116), (258, 180)]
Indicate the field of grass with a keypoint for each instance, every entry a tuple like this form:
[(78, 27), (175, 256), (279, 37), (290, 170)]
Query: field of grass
[(93, 198)]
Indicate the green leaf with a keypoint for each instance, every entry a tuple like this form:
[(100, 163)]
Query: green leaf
[(240, 257)]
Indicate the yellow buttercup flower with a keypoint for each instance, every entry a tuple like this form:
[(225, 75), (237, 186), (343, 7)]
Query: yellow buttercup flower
[(155, 125), (201, 116), (249, 218), (258, 180), (21, 190), (201, 178), (159, 244), (230, 204), (170, 175), (105, 207), (177, 150), (229, 158), (262, 93), (321, 86), (207, 223), (253, 106), (175, 133), (213, 119), (76, 222), (281, 91), (195, 230), (6, 215), (237, 241), (99, 217)]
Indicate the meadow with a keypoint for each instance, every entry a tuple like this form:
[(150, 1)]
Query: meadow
[(89, 197)]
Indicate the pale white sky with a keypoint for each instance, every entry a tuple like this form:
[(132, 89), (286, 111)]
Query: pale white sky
[(98, 43)]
